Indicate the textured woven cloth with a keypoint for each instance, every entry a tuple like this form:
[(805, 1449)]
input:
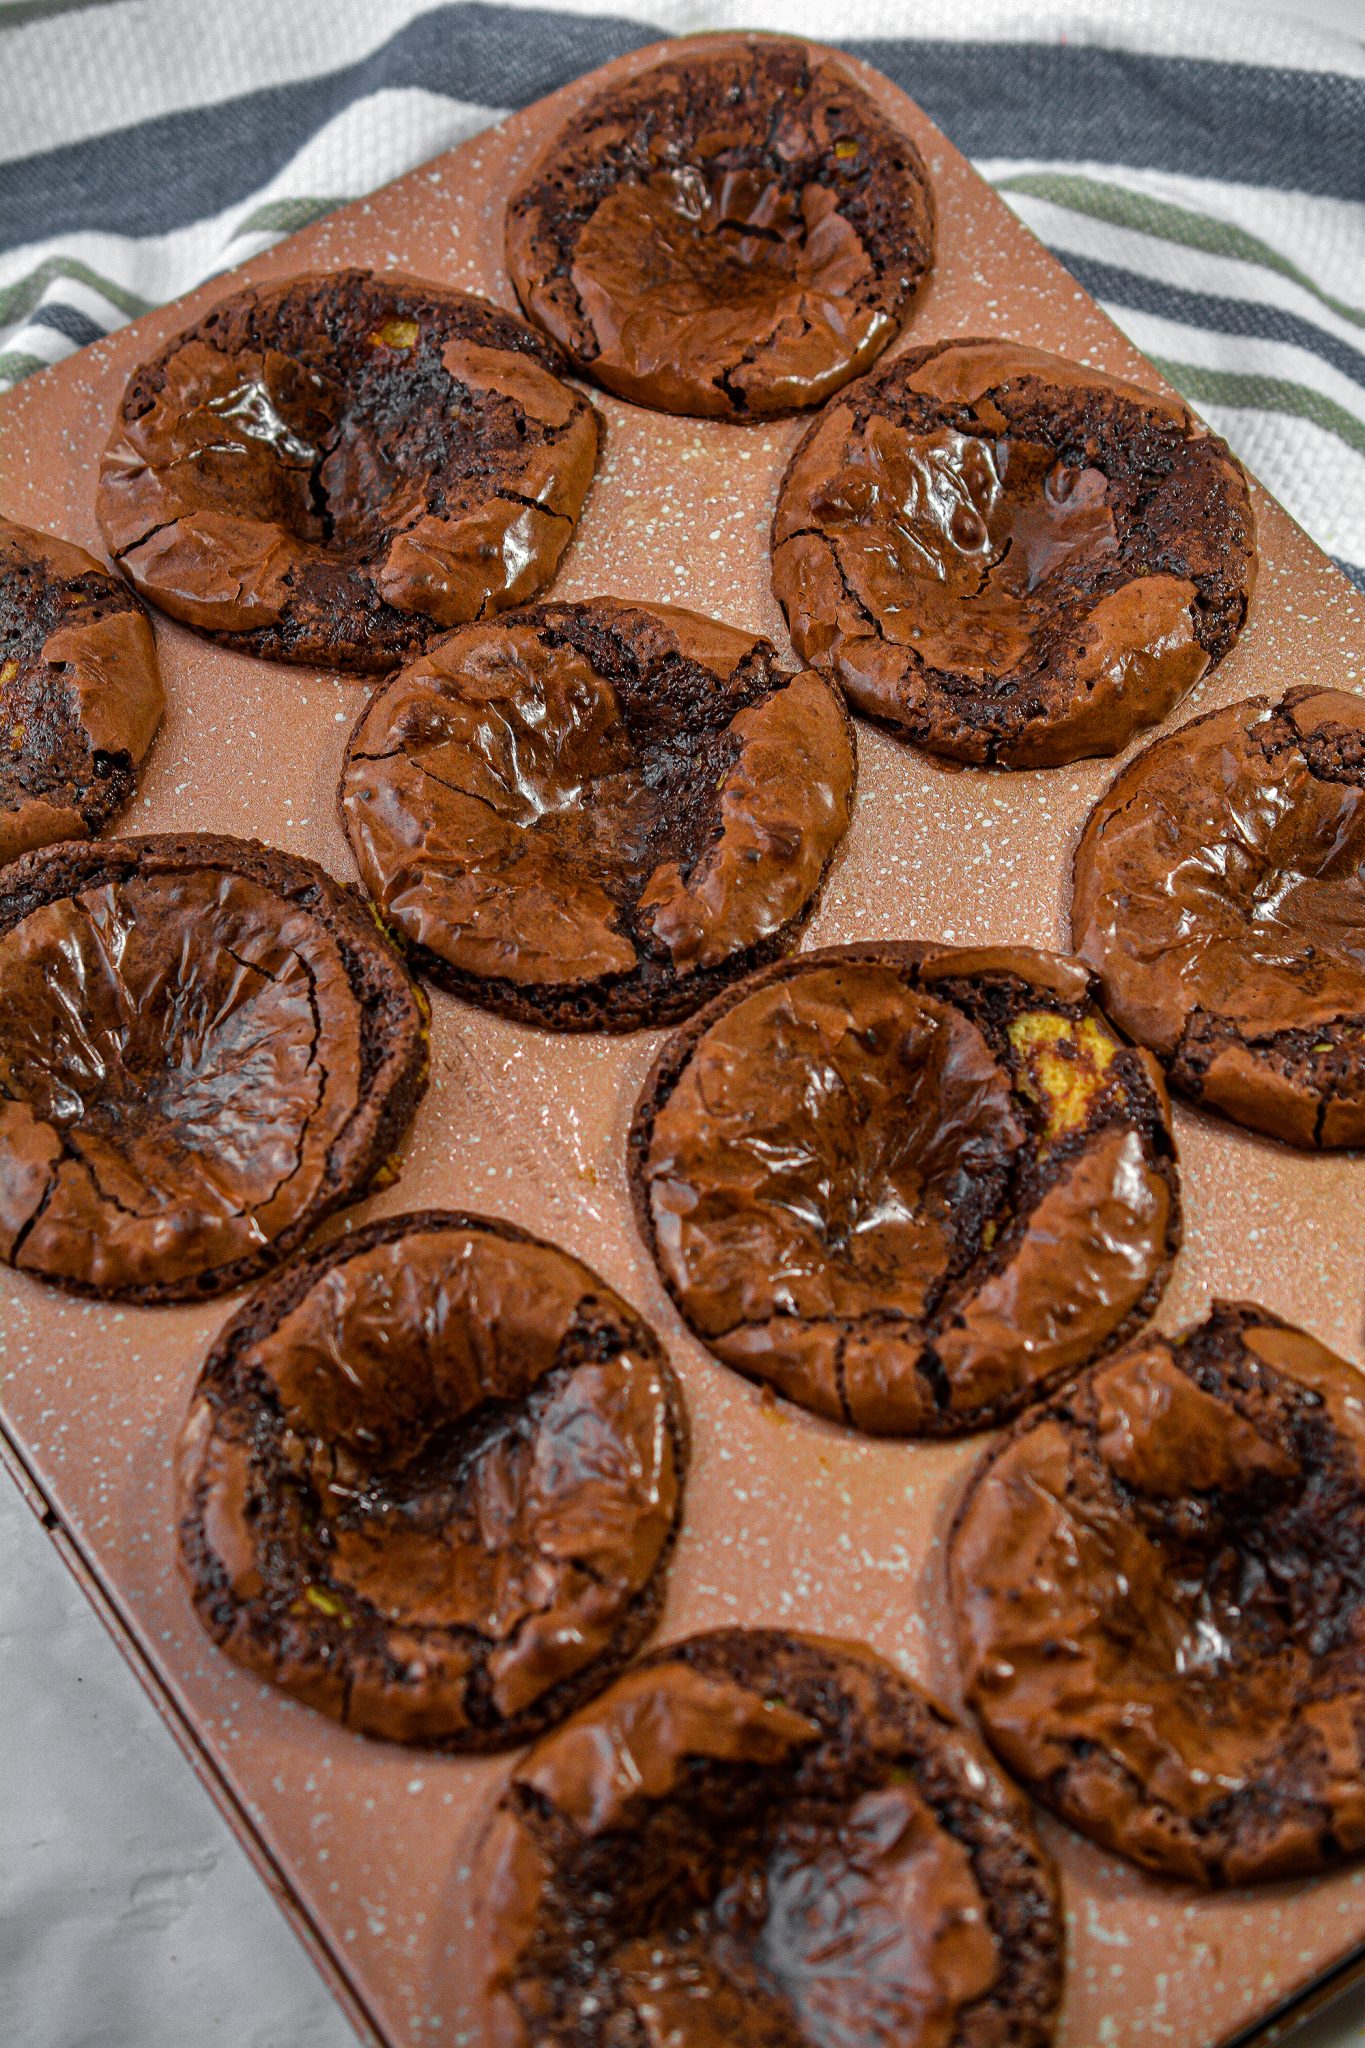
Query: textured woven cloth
[(1201, 170)]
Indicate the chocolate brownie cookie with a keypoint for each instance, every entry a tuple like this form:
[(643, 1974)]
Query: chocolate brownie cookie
[(734, 232), (771, 1839), (430, 1480), (1009, 558), (910, 1186), (80, 691), (1220, 896), (205, 1048), (593, 815), (1159, 1589), (332, 469)]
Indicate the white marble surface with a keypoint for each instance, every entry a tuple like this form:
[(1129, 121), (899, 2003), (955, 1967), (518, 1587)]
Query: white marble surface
[(129, 1916)]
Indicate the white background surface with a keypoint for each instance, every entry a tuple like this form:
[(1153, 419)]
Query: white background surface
[(129, 1916)]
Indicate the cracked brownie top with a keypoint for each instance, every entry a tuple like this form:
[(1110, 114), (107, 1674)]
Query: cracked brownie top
[(910, 1186), (430, 1479), (1220, 896), (765, 1837), (80, 691), (205, 1047), (735, 232), (593, 815), (1157, 1585), (334, 468), (1010, 558)]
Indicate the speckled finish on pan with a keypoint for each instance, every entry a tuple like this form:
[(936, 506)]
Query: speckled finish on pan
[(789, 1522)]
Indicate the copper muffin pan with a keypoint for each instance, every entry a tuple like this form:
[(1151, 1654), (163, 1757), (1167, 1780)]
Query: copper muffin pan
[(788, 1521)]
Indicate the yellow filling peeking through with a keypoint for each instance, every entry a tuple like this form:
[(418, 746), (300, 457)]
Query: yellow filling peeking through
[(8, 671), (394, 334), (1062, 1066), (325, 1603)]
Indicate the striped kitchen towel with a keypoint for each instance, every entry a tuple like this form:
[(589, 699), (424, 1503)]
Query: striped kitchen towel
[(1202, 173)]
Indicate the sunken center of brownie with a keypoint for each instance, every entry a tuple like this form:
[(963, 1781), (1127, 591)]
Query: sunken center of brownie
[(80, 692), (44, 749), (764, 1838), (702, 238), (339, 454), (601, 800), (1220, 894), (871, 1161), (330, 468), (906, 1196), (746, 1904), (608, 766), (1224, 1552), (1161, 1584), (452, 1453), (947, 535), (433, 1480), (732, 236), (1009, 557), (1239, 857), (179, 1054), (177, 1031)]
